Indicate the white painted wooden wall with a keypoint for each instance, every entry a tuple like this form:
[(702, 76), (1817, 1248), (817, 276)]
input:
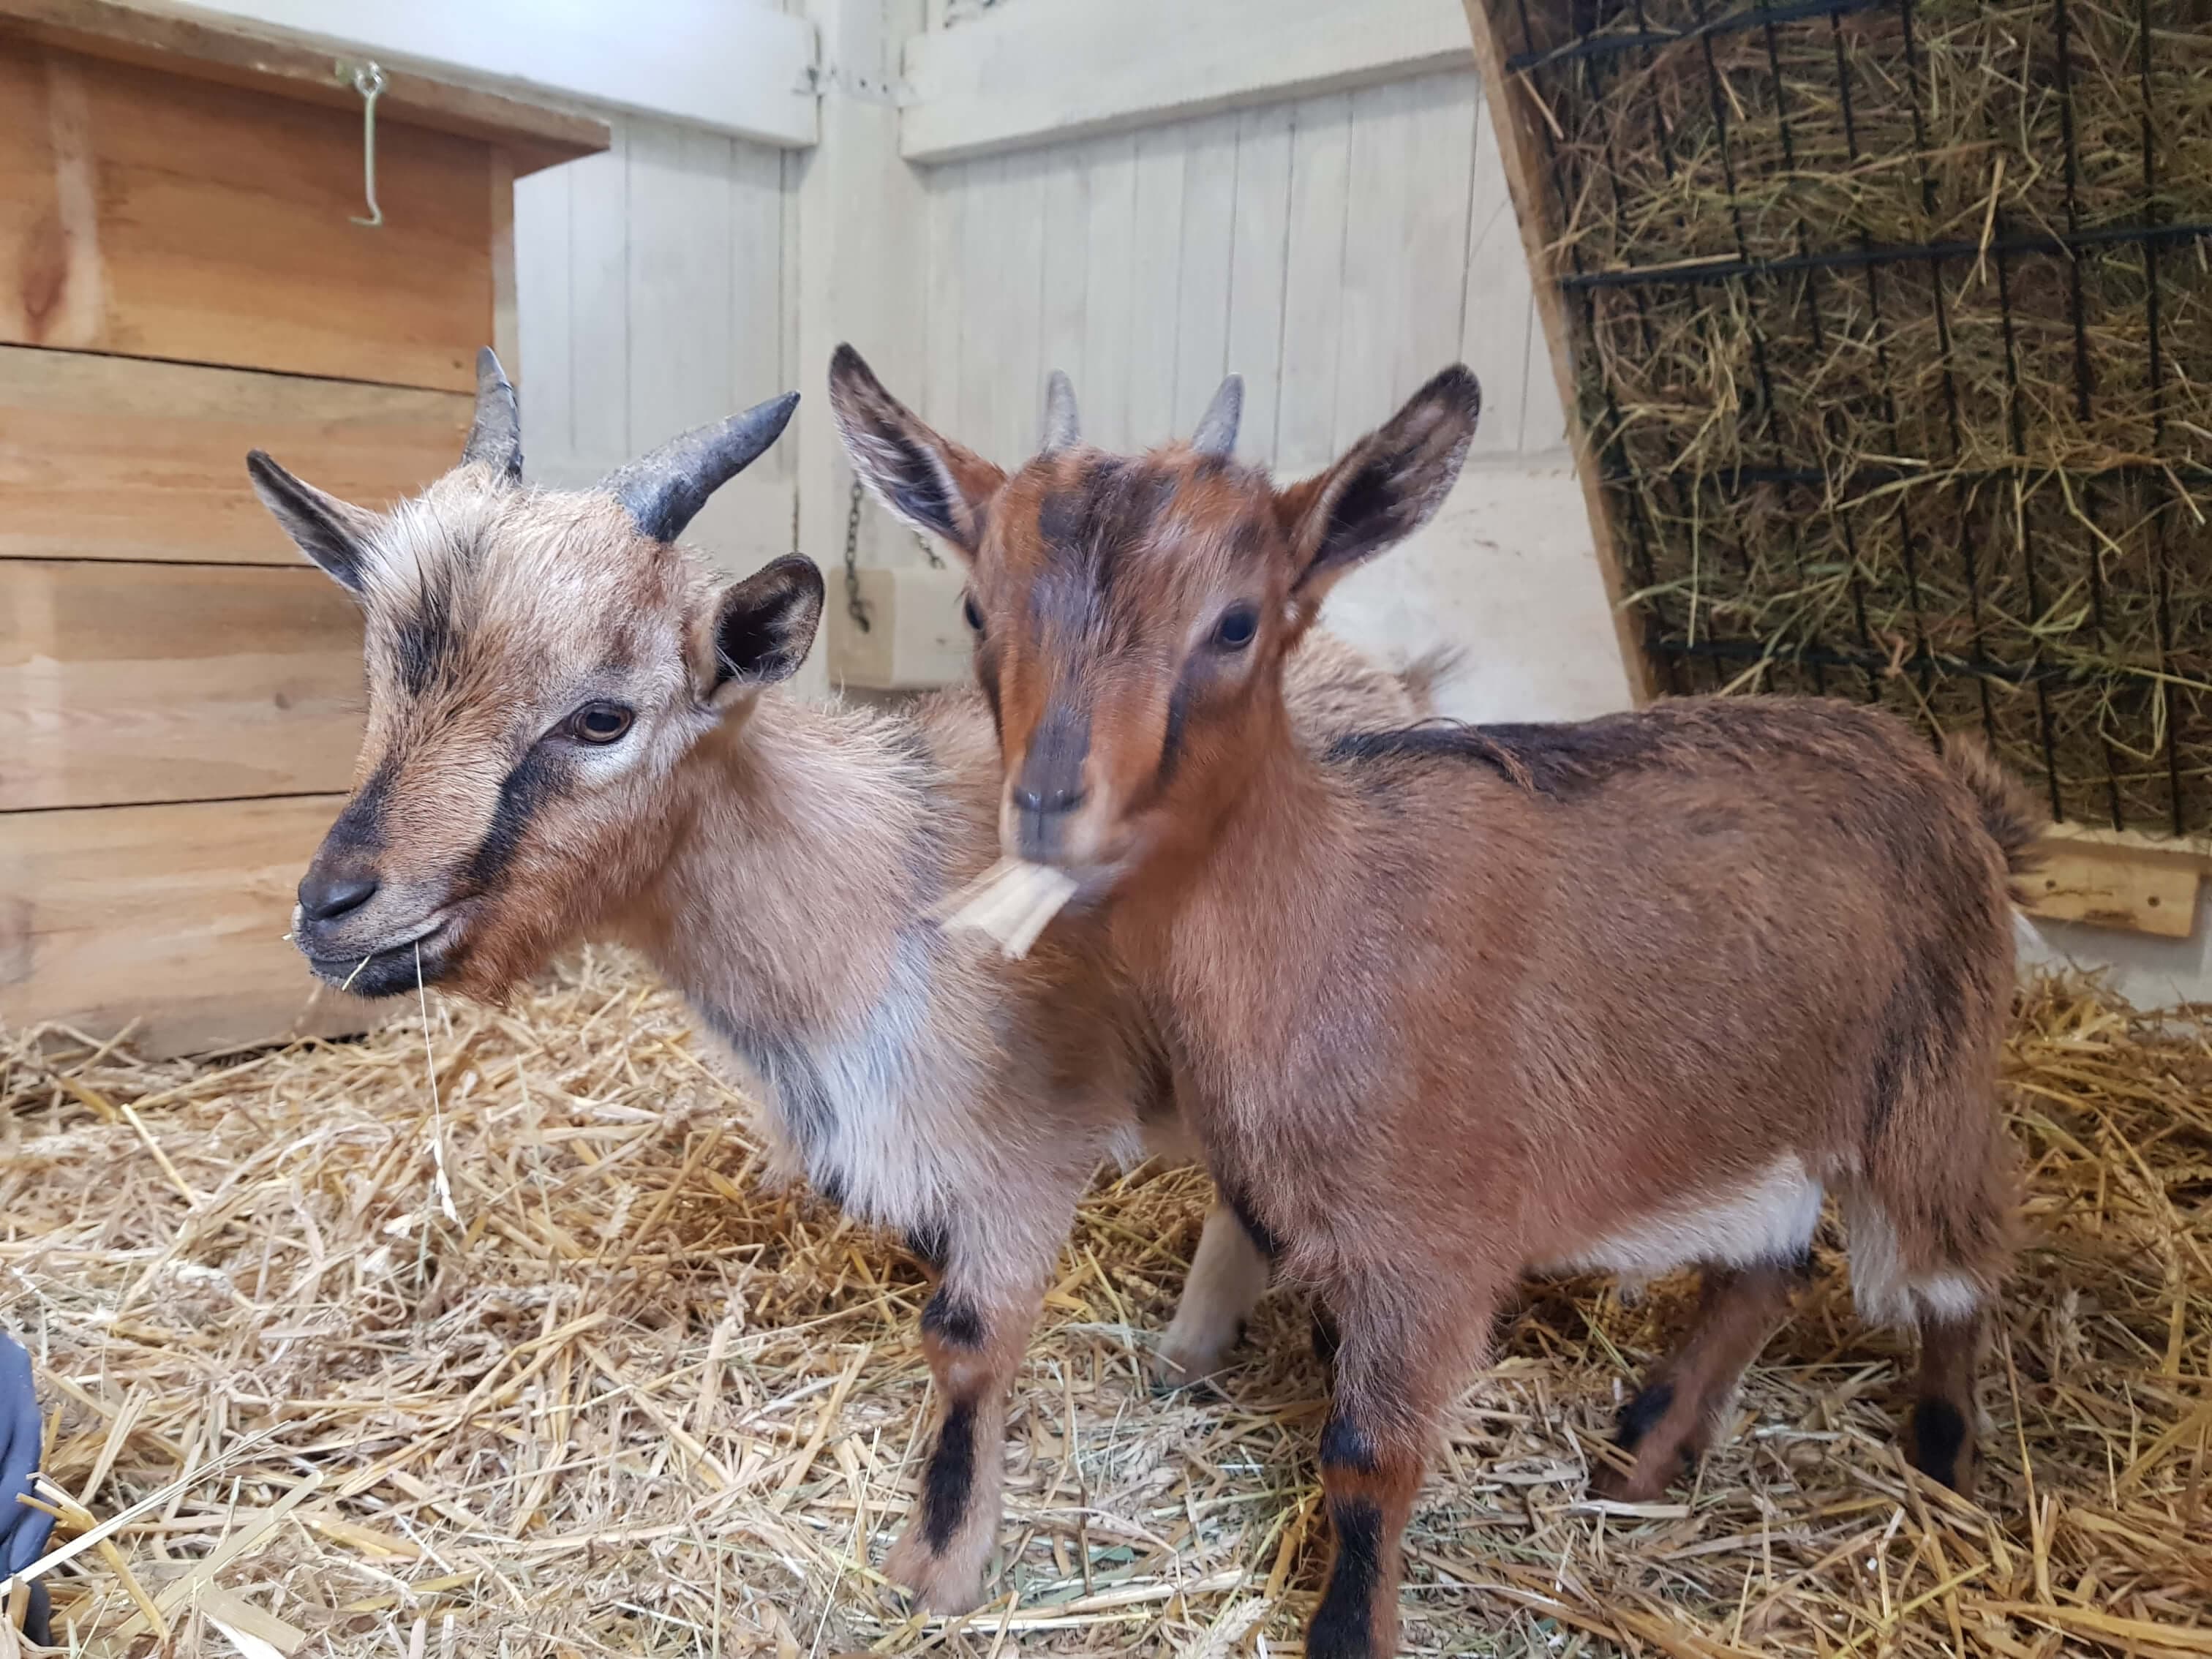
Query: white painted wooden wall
[(652, 294), (1335, 250)]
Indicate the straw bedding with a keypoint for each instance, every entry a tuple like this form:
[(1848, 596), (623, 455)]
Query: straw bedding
[(1972, 486), (534, 1364)]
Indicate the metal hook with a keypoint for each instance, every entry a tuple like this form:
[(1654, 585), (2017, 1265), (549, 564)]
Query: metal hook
[(369, 81)]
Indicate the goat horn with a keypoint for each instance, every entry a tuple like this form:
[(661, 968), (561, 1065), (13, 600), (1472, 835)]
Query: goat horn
[(664, 490), (1217, 427), (1062, 425), (495, 434)]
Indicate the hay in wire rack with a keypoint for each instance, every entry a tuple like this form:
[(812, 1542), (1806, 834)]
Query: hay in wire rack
[(1892, 321)]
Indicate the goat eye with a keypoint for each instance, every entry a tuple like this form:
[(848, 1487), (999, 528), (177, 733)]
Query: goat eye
[(967, 610), (598, 722), (1238, 626)]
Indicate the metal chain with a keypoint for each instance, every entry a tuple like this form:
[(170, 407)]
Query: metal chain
[(856, 606)]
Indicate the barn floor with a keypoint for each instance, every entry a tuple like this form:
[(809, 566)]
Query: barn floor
[(593, 1390)]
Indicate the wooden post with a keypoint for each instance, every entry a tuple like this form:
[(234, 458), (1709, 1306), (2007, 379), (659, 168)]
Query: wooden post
[(858, 277), (1524, 178)]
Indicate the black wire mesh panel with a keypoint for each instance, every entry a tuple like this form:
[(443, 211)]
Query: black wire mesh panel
[(1894, 337)]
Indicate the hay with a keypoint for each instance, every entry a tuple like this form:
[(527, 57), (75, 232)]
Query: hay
[(635, 1402), (1974, 487)]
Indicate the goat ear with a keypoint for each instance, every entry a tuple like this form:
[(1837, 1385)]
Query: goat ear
[(333, 533), (760, 630), (929, 480), (1384, 488)]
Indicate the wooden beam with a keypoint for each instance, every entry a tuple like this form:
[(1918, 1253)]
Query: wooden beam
[(2121, 879), (122, 458), (1512, 123), (860, 251), (167, 920), (1051, 69), (223, 50), (736, 67)]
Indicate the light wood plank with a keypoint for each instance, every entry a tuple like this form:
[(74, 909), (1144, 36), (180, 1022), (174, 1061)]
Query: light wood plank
[(1313, 296), (738, 68), (1050, 69), (1209, 215), (1511, 126), (1432, 244), (761, 353), (680, 309), (544, 321), (1111, 167), (116, 458), (1019, 317), (162, 682), (2113, 887), (152, 216), (1155, 281), (599, 255), (1257, 261), (1497, 306), (945, 312), (167, 920), (1382, 173), (982, 280), (1066, 273), (915, 641), (232, 53)]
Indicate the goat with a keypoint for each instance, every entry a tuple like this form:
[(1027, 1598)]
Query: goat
[(574, 733), (1461, 1002)]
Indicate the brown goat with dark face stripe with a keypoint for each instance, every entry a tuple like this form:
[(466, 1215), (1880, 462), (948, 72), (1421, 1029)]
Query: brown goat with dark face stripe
[(576, 732), (1460, 1003)]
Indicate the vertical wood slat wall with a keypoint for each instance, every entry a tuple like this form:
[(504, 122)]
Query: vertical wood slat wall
[(180, 282)]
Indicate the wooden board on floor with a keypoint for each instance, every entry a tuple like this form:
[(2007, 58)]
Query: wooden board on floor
[(137, 683), (117, 458), (150, 215), (167, 920), (2122, 879)]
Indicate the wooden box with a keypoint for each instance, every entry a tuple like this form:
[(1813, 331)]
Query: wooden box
[(181, 280)]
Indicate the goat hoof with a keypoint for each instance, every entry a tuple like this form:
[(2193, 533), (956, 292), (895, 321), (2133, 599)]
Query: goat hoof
[(927, 1581), (1177, 1367)]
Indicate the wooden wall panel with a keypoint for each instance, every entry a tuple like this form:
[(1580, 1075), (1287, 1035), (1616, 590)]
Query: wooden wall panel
[(116, 458), (138, 683), (651, 285), (152, 216), (167, 920), (1336, 249)]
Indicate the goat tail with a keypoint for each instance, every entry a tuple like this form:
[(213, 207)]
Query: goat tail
[(1425, 672), (2008, 813)]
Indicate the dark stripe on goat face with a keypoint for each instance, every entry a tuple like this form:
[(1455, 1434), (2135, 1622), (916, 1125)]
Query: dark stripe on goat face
[(952, 1321), (359, 827), (1178, 715), (1345, 1623), (951, 1477), (543, 777), (424, 639)]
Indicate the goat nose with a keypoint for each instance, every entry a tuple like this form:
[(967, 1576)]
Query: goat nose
[(1050, 800), (326, 895)]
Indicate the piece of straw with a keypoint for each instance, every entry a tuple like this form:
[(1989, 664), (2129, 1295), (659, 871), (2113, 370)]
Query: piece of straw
[(1012, 902)]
